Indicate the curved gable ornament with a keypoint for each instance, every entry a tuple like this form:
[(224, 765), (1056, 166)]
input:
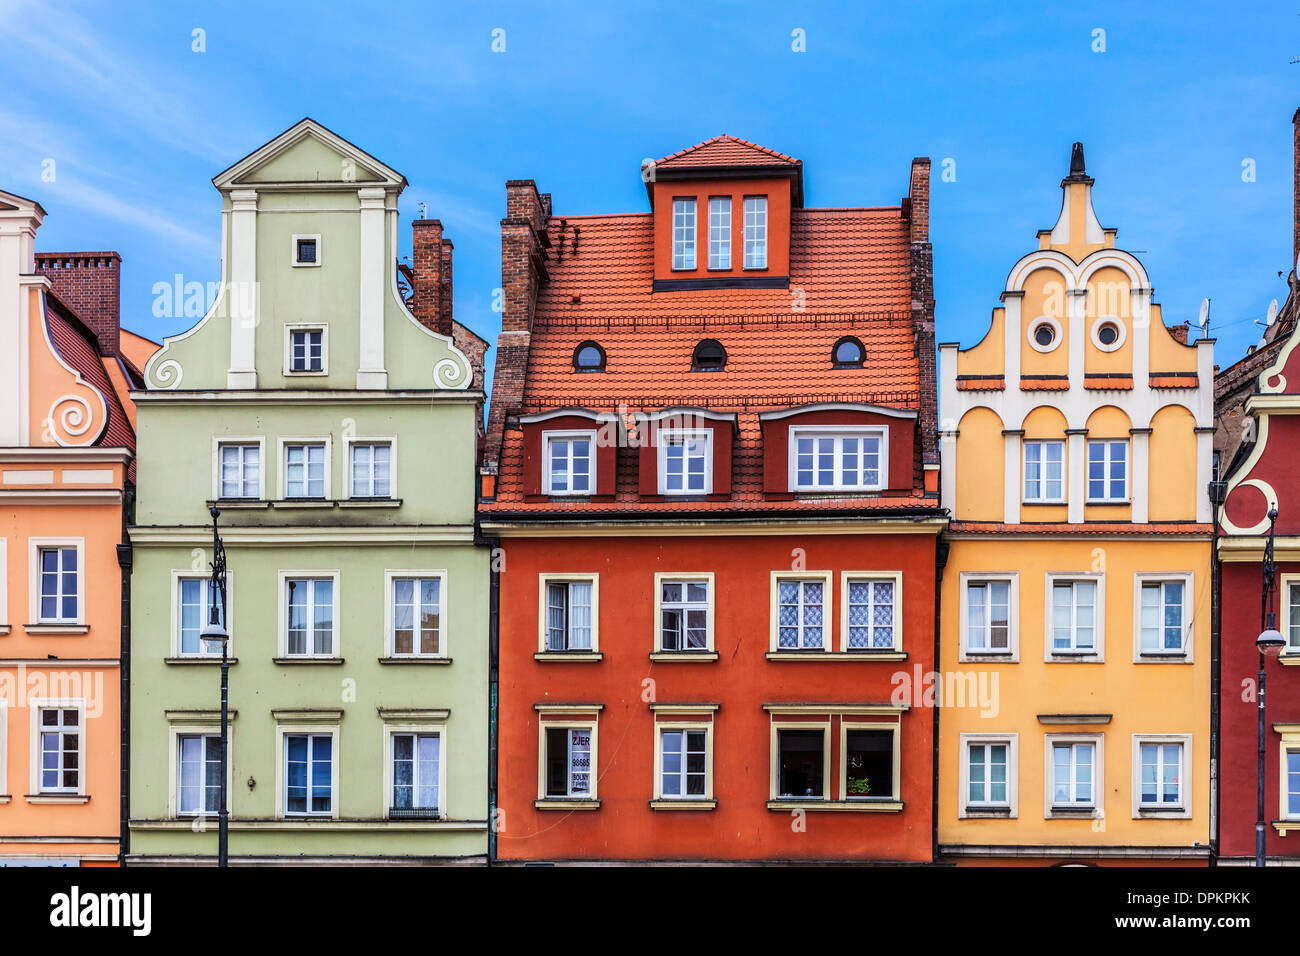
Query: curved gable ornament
[(76, 418)]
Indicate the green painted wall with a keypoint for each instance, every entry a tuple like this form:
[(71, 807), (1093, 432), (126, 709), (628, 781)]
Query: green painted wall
[(429, 415)]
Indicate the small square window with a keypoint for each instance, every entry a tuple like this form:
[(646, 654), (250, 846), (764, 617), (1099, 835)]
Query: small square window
[(306, 350), (306, 250)]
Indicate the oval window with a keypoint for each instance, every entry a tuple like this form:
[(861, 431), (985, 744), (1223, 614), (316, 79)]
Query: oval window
[(1108, 334), (848, 353), (588, 357), (1044, 335)]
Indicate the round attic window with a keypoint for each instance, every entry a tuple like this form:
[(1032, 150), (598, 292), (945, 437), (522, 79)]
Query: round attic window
[(588, 357), (709, 356), (1045, 334), (848, 353), (1108, 333)]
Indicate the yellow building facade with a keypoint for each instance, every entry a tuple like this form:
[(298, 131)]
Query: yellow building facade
[(1076, 442)]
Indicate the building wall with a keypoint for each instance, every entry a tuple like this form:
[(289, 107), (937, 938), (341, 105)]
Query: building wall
[(626, 681)]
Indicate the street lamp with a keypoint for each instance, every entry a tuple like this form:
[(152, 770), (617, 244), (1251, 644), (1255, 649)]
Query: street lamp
[(213, 633), (1270, 643)]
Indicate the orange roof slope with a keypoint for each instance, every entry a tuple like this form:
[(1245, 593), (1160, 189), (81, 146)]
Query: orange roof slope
[(725, 151)]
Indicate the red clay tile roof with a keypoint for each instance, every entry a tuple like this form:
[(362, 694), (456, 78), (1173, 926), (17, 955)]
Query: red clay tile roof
[(1084, 529), (78, 347), (723, 151), (853, 267)]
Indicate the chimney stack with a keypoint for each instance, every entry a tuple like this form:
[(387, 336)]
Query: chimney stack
[(1295, 191), (90, 284), (426, 273), (444, 294)]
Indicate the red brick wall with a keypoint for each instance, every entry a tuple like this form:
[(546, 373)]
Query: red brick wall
[(90, 284), (426, 270)]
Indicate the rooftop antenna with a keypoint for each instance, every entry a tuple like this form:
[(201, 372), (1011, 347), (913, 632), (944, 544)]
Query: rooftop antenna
[(1204, 320), (424, 209)]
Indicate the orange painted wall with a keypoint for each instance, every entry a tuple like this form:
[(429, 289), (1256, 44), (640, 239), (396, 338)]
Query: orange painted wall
[(741, 681), (777, 191)]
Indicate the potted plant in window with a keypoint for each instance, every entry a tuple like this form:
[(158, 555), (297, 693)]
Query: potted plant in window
[(859, 787)]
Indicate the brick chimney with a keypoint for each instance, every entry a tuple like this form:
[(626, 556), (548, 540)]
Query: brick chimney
[(918, 195), (89, 283), (917, 209), (1295, 190), (426, 273), (524, 244), (1179, 332)]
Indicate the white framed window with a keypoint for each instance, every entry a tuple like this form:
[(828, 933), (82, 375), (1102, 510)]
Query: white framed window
[(684, 761), (568, 764), (4, 750), (306, 250), (569, 462), (1291, 588), (416, 613), (683, 234), (799, 612), (306, 349), (989, 611), (685, 462), (1161, 774), (755, 232), (238, 469), (1290, 783), (60, 749), (1073, 777), (684, 613), (417, 773), (1076, 616), (191, 609), (1044, 477), (198, 774), (569, 614), (309, 610), (370, 468), (870, 614), (1163, 612), (56, 579), (845, 458), (869, 760), (989, 775), (306, 469), (1108, 471), (4, 603), (801, 761), (720, 232), (309, 772)]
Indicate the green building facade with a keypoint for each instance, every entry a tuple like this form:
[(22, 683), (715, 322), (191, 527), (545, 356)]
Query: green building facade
[(337, 434)]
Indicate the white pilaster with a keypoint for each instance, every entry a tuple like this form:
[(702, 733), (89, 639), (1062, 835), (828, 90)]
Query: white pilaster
[(1011, 477), (1011, 340), (1076, 484), (1204, 467), (1140, 493), (1076, 301), (372, 373), (242, 295)]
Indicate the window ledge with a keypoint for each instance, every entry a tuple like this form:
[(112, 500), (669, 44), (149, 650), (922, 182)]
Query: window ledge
[(56, 628), (1290, 659), (867, 805), (415, 660), (1161, 657), (1074, 657), (667, 803), (371, 503), (1283, 827), (1070, 813), (199, 660), (228, 504), (303, 503), (1160, 813), (988, 657), (841, 656), (57, 797), (555, 657), (307, 660), (4, 629), (1055, 502), (565, 803), (5, 798), (987, 813), (697, 656)]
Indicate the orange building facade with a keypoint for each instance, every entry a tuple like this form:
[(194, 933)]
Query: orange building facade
[(711, 473), (66, 444)]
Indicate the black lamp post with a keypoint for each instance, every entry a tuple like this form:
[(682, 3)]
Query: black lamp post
[(1270, 643), (214, 632)]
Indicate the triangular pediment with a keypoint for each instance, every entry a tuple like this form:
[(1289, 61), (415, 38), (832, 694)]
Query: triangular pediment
[(305, 154)]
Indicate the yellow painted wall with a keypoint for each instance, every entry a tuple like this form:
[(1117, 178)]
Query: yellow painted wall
[(1044, 295), (1144, 698), (1167, 353), (987, 357), (1173, 465), (981, 465), (1108, 296)]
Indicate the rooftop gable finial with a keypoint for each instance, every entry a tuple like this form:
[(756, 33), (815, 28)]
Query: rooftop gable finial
[(1078, 174)]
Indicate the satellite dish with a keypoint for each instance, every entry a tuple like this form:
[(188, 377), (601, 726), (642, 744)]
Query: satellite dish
[(1204, 320), (1262, 343), (1272, 313)]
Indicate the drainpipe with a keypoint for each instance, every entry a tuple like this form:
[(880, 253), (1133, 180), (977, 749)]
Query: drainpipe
[(494, 624), (1216, 680), (124, 561), (940, 561)]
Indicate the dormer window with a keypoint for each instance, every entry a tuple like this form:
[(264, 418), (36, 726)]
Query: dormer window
[(848, 353), (837, 459), (720, 232), (589, 357), (755, 232), (685, 462), (306, 250), (709, 356), (683, 234), (570, 462)]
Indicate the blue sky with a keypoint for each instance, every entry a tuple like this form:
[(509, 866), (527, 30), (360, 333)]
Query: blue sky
[(137, 123)]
